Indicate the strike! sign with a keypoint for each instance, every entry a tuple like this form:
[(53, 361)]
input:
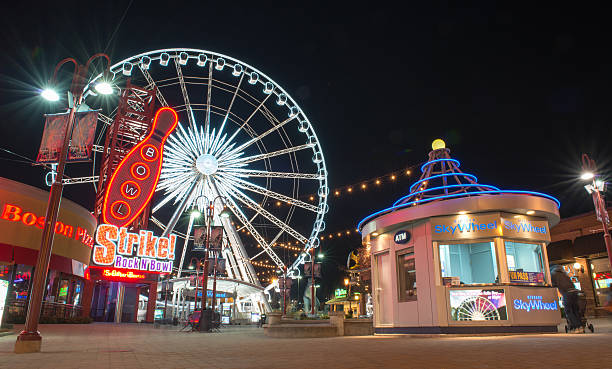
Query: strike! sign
[(117, 247)]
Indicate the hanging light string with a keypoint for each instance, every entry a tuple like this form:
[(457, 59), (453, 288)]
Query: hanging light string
[(366, 184)]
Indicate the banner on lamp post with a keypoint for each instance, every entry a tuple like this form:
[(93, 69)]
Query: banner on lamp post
[(81, 142), (199, 238)]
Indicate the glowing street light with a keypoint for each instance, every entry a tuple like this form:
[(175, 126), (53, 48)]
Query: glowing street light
[(49, 94), (587, 175), (104, 88), (596, 189)]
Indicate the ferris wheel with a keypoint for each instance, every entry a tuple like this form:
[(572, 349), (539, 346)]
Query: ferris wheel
[(241, 137)]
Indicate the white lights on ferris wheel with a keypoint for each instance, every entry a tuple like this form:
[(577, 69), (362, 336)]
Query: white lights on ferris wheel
[(264, 154)]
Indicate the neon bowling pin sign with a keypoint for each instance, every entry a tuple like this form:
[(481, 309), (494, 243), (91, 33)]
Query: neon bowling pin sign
[(132, 184)]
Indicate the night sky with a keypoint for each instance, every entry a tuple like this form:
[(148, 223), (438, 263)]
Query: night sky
[(518, 93)]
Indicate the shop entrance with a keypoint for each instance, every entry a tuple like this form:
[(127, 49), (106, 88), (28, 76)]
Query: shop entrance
[(383, 290), (119, 302)]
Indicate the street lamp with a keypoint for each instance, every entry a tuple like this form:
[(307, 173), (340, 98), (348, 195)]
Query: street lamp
[(30, 340), (195, 266), (595, 189)]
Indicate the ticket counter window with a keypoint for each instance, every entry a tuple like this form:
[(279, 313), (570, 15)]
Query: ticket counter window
[(472, 263), (524, 257), (407, 276)]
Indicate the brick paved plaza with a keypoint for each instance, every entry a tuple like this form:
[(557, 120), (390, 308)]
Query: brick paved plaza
[(133, 346)]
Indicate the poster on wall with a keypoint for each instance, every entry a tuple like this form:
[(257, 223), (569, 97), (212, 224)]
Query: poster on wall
[(517, 276), (478, 305)]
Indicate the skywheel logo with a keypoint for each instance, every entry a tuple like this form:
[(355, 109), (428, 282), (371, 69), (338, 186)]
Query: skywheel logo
[(534, 303), (465, 226), (523, 227)]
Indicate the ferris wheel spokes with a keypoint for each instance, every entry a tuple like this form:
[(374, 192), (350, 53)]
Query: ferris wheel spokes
[(179, 73), (275, 195), (258, 138), (249, 226), (262, 173), (266, 214), (152, 85)]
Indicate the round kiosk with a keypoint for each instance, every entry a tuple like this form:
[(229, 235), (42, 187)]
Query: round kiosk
[(456, 256)]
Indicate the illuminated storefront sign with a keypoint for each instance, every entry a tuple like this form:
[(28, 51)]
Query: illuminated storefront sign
[(401, 237), (133, 183), (471, 226), (117, 247), (118, 274), (534, 302), (340, 292), (15, 213), (3, 291)]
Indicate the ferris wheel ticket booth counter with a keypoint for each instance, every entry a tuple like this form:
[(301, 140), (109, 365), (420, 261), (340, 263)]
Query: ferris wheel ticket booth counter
[(460, 257)]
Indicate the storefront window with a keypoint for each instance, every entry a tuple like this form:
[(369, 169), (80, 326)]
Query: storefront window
[(525, 256), (407, 276), (473, 263), (21, 283), (62, 294), (602, 279)]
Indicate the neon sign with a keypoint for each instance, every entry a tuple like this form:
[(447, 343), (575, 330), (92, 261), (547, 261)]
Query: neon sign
[(133, 183), (112, 273), (116, 246), (534, 303), (523, 227), (469, 226), (15, 213)]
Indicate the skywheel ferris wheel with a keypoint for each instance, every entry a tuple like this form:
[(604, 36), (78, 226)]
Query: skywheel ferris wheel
[(240, 137)]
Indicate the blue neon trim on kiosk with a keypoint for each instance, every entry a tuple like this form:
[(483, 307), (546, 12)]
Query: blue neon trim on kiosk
[(469, 258)]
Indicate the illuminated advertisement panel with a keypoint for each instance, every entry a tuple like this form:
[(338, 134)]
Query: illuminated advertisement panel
[(3, 291), (118, 248), (478, 305)]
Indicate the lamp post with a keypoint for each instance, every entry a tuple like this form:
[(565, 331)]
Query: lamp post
[(210, 212), (312, 283), (595, 189), (29, 340), (198, 264)]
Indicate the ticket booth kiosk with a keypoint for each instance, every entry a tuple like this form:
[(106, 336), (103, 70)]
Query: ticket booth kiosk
[(456, 256)]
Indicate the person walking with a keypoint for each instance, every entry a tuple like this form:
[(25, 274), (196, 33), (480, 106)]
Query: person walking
[(562, 281)]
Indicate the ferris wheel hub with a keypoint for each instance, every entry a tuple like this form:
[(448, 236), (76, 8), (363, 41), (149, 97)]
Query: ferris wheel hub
[(207, 164)]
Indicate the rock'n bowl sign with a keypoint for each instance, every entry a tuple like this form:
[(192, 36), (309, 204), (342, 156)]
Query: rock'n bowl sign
[(132, 184)]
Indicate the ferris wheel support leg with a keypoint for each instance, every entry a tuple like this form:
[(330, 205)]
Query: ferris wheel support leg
[(179, 210), (180, 269)]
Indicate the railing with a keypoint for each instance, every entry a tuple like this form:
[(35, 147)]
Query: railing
[(18, 308)]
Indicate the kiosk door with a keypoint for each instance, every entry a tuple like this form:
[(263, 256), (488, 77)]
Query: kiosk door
[(384, 306)]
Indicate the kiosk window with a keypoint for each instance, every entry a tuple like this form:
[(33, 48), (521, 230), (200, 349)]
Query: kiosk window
[(525, 262), (407, 276), (472, 262)]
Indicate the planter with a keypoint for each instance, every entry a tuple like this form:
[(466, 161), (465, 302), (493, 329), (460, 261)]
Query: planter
[(274, 318)]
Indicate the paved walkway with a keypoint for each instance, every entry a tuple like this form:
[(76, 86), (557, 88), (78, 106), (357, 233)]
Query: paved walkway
[(132, 346)]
